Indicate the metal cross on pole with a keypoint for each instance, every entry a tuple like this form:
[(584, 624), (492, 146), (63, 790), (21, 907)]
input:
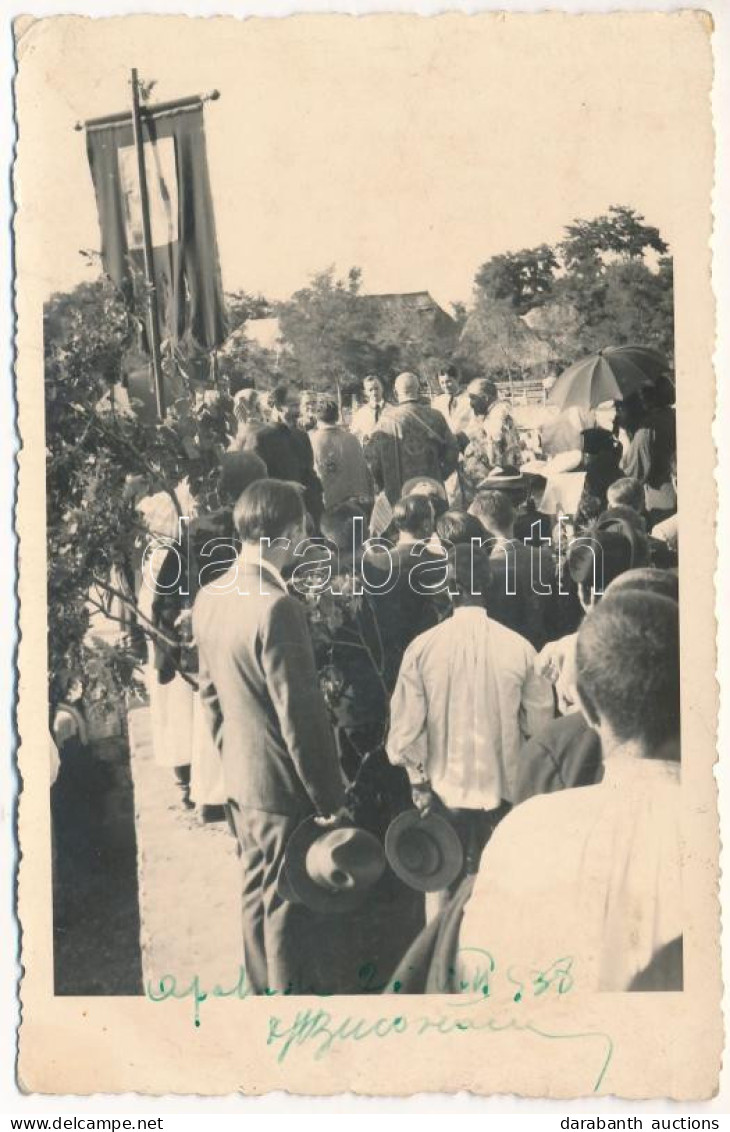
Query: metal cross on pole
[(149, 267)]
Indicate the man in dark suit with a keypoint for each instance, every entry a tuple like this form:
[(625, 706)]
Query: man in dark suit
[(259, 688), (286, 449)]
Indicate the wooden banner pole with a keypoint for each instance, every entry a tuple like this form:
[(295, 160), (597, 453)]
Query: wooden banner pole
[(153, 313)]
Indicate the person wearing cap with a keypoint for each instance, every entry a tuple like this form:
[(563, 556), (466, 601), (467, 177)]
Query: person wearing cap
[(451, 402), (467, 697), (260, 691), (338, 458), (365, 419), (411, 439), (592, 878)]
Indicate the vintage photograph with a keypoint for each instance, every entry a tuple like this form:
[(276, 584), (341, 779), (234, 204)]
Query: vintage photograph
[(361, 525)]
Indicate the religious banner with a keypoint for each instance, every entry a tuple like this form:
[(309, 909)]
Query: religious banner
[(185, 247)]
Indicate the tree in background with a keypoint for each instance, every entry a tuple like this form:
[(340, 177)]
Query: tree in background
[(329, 331), (607, 282), (522, 280), (96, 453)]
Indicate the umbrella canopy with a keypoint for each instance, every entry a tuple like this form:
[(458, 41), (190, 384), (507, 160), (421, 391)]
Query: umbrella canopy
[(610, 375)]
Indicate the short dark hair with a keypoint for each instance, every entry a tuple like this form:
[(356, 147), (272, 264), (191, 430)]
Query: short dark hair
[(599, 556), (646, 579), (449, 371), (494, 510), (238, 470), (627, 661), (456, 527), (279, 396), (338, 526), (328, 411), (266, 508), (626, 492), (414, 515)]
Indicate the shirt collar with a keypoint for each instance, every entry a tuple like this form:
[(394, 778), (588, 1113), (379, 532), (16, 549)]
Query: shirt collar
[(253, 561), (621, 770)]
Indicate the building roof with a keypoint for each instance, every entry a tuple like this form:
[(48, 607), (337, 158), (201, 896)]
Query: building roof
[(415, 300)]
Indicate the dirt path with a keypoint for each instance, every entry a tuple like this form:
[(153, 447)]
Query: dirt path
[(189, 881)]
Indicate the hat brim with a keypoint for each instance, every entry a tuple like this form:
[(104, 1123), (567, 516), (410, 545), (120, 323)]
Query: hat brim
[(507, 483), (305, 890), (449, 843)]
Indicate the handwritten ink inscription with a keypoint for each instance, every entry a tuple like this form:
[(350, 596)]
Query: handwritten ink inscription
[(484, 999)]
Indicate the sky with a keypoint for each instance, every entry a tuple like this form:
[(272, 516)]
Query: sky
[(413, 148)]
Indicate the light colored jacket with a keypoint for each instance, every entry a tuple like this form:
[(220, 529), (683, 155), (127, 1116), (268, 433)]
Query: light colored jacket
[(340, 464)]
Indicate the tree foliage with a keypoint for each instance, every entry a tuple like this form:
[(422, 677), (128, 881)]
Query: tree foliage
[(608, 281), (521, 279), (329, 331), (95, 452)]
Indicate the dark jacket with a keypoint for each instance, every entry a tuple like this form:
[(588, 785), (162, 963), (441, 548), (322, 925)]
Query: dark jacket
[(287, 453), (259, 689), (429, 966), (652, 448), (512, 597), (566, 753), (408, 604)]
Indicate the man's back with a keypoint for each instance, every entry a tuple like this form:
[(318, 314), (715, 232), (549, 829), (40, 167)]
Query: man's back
[(272, 442), (513, 598), (340, 465), (411, 440), (593, 874), (258, 685), (477, 682)]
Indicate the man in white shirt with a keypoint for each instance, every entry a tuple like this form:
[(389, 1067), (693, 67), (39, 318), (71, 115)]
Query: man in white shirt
[(590, 879), (466, 699), (451, 402), (365, 419)]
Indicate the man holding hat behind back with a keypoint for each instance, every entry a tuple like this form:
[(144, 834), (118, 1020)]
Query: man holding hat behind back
[(467, 697), (259, 687)]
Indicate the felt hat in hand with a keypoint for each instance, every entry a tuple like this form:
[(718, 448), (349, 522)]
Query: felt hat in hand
[(330, 870), (425, 852)]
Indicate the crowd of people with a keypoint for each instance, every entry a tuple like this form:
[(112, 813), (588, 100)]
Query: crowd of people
[(433, 711)]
